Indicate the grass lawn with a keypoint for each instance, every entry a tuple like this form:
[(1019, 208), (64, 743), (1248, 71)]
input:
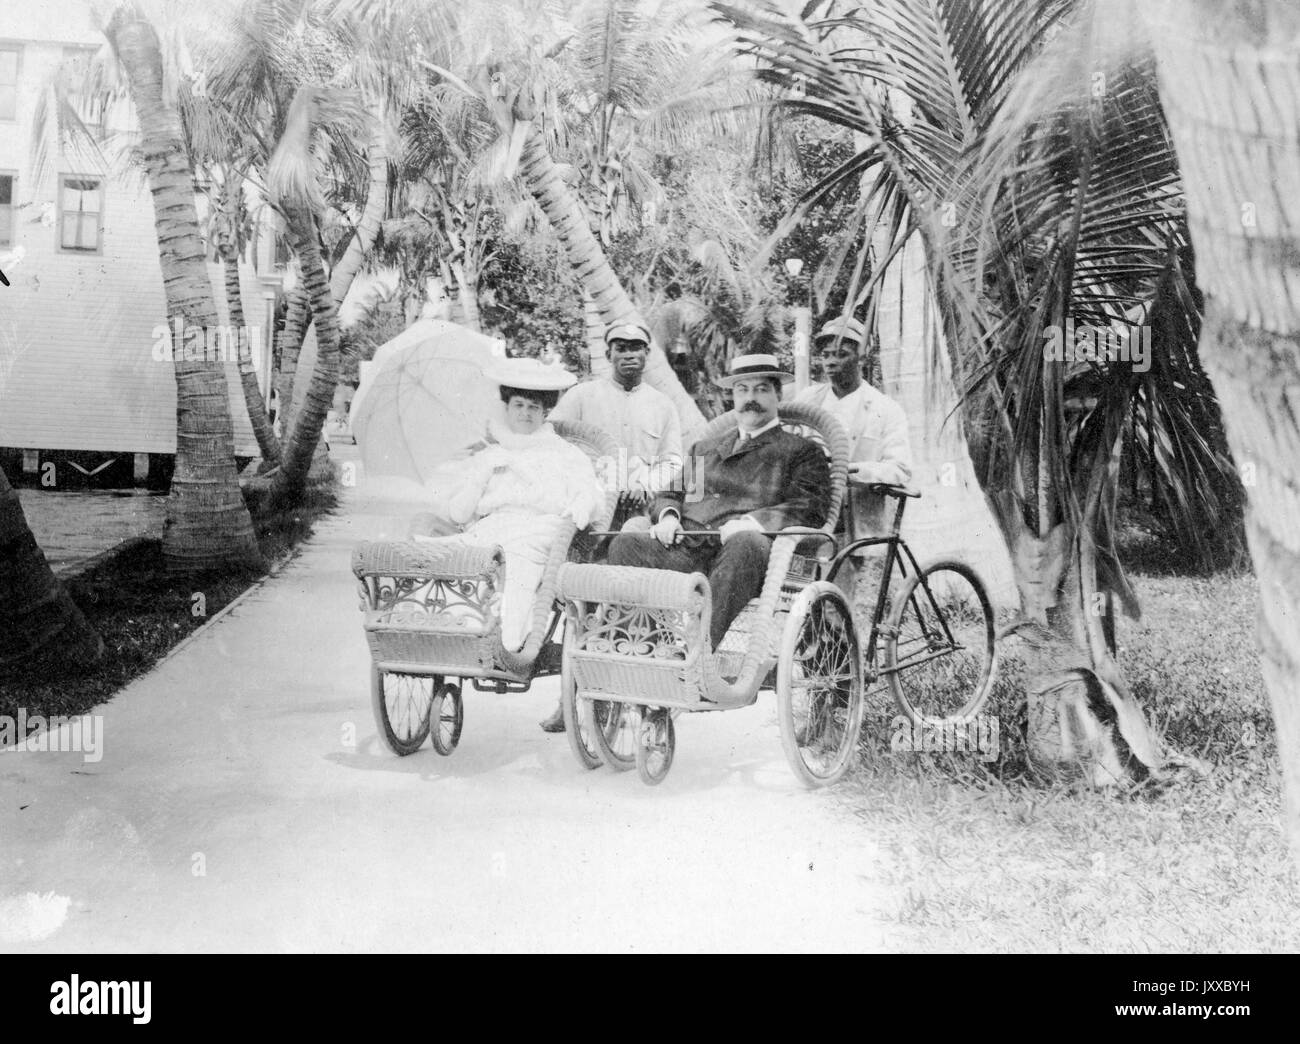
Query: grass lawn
[(141, 611), (984, 857)]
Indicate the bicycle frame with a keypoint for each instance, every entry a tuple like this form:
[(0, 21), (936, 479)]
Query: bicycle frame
[(893, 558)]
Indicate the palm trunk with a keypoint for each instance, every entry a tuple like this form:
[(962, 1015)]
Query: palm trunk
[(566, 216), (267, 443), (467, 287), (296, 322), (291, 479), (1230, 84), (1082, 716), (300, 334), (594, 331), (38, 621), (451, 288), (208, 525), (368, 227)]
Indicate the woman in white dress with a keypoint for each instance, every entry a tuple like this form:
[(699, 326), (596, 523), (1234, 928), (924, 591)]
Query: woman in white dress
[(520, 483)]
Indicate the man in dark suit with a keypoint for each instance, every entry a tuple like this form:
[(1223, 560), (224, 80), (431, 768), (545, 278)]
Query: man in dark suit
[(757, 478)]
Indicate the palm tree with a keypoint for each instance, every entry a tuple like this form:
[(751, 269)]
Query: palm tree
[(208, 524), (293, 184), (38, 621), (1228, 78), (285, 73), (1038, 206), (628, 64), (231, 227)]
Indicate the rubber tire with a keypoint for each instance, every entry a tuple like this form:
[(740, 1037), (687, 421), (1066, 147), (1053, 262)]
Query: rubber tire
[(399, 745), (890, 650), (587, 754), (650, 768), (446, 692), (603, 736), (792, 644)]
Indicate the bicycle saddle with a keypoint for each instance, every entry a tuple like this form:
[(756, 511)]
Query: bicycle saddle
[(893, 491)]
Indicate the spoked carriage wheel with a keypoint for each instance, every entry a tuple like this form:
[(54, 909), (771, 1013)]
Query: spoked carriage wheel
[(402, 703), (655, 744), (939, 652), (819, 685), (577, 724), (614, 730), (446, 716)]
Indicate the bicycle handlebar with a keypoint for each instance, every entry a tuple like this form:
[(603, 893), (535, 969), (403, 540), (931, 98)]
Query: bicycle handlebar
[(811, 534)]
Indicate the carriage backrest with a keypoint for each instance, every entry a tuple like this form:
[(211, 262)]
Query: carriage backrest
[(602, 450), (811, 422)]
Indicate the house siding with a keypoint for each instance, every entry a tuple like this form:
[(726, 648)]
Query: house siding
[(78, 365)]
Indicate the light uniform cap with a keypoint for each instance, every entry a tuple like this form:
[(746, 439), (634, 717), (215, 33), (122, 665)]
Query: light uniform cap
[(530, 374), (627, 332), (743, 366), (844, 327)]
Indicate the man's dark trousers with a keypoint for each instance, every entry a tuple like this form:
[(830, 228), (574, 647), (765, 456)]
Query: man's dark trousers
[(735, 569)]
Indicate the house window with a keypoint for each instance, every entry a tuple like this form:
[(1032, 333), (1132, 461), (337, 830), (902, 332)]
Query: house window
[(7, 182), (76, 62), (9, 82), (81, 205)]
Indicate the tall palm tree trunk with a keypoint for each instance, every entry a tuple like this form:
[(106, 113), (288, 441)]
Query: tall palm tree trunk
[(208, 525), (1230, 84), (372, 215), (594, 332), (296, 321), (301, 341), (467, 287), (594, 272), (267, 443), (37, 618), (291, 479)]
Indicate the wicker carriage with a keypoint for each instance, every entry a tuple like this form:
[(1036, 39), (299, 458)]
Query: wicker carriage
[(637, 640), (432, 614)]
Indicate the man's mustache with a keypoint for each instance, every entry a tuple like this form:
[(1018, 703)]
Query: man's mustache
[(751, 407)]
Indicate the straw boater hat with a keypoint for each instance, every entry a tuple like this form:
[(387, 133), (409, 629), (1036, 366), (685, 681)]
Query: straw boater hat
[(743, 366), (627, 332), (844, 328), (530, 374)]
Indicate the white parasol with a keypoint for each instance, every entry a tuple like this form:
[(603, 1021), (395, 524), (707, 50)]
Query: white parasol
[(424, 400)]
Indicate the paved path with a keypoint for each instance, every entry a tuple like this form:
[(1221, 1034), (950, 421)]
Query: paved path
[(244, 801)]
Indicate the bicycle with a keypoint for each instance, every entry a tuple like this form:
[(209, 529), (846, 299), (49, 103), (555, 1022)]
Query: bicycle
[(938, 653)]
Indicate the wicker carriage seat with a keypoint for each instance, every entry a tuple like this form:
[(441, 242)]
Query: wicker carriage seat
[(432, 586), (629, 585), (650, 613), (433, 606)]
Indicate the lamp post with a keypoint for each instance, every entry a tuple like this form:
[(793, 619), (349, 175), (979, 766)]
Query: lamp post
[(680, 357), (802, 328)]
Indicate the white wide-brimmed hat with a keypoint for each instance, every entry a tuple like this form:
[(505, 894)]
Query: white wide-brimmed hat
[(530, 375), (743, 366)]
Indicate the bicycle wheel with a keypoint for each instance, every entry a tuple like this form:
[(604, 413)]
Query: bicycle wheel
[(576, 721), (615, 735), (938, 650), (401, 703), (656, 742), (819, 685), (446, 718)]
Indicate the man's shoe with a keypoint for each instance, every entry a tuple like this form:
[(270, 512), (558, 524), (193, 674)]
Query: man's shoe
[(555, 723)]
